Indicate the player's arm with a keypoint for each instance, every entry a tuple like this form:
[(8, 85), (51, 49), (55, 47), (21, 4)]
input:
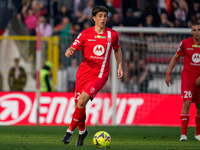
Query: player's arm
[(69, 52), (171, 67), (118, 57)]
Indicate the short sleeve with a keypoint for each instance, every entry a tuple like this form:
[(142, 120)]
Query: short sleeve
[(79, 41), (180, 51), (116, 44)]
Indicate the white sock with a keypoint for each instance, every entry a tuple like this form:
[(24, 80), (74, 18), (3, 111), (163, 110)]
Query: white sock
[(82, 132), (71, 132)]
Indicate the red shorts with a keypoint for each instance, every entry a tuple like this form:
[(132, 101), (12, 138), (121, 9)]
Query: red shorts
[(190, 92), (91, 87)]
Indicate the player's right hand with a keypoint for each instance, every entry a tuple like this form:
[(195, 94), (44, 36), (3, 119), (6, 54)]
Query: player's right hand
[(120, 73), (168, 80), (69, 52)]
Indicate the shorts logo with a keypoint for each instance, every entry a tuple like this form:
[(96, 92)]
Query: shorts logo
[(196, 58), (92, 90), (98, 50)]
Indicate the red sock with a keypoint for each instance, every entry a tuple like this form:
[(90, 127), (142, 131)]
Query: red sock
[(184, 123), (77, 116), (197, 120), (81, 124)]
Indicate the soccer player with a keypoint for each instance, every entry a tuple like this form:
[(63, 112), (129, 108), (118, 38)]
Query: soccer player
[(190, 78), (96, 44)]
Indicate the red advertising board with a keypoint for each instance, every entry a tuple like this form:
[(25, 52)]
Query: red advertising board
[(19, 108)]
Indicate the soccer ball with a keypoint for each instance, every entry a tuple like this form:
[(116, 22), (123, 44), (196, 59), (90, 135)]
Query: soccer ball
[(102, 139)]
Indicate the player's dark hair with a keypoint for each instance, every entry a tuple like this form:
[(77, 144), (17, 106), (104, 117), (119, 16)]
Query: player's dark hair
[(195, 23), (98, 9)]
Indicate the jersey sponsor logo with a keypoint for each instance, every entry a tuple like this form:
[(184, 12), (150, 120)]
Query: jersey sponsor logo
[(100, 37), (98, 50), (196, 58), (96, 57), (195, 45)]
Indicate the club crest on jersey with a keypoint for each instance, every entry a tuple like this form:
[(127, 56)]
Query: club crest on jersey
[(98, 50), (100, 37), (196, 58)]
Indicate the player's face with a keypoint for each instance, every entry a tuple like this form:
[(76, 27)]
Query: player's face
[(196, 31), (100, 19)]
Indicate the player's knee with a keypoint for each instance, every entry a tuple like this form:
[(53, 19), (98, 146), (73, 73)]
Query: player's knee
[(82, 100), (81, 104), (187, 104)]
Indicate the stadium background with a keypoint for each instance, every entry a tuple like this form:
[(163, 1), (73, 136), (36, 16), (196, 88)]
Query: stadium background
[(136, 105)]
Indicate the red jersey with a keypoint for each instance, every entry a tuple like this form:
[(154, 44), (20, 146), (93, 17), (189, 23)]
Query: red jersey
[(96, 50), (191, 51)]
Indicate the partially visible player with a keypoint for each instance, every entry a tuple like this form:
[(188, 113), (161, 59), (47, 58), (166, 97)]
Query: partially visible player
[(96, 44), (190, 78)]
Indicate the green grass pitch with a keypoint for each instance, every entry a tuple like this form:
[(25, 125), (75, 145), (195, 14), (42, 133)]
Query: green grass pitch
[(122, 138)]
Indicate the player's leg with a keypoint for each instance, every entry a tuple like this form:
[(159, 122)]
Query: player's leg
[(92, 88), (197, 121), (197, 118), (81, 124), (67, 137), (185, 119), (187, 91), (81, 106), (79, 115)]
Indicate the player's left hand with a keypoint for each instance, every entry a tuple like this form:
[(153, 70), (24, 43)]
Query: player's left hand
[(198, 81)]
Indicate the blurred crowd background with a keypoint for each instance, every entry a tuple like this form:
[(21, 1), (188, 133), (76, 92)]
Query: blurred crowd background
[(76, 14), (67, 18)]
